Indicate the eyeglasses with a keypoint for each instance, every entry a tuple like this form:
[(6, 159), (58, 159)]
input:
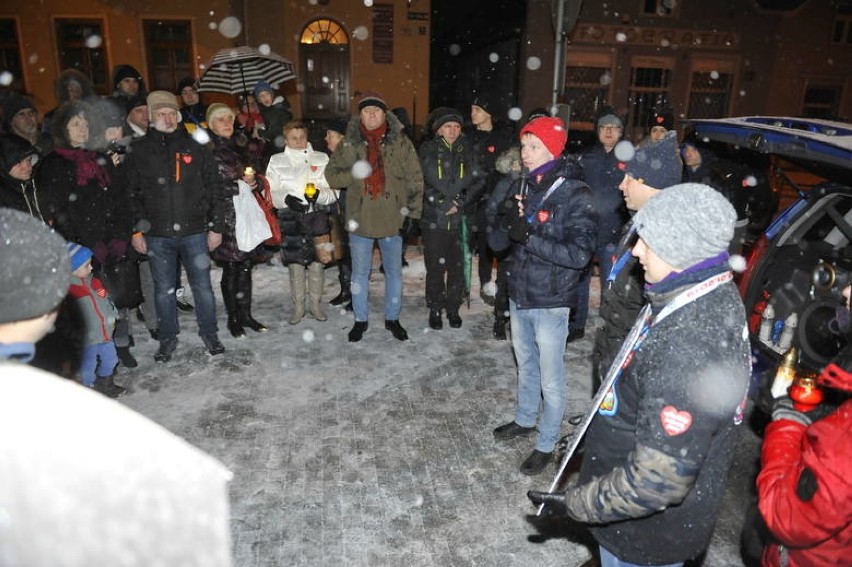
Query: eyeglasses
[(606, 128)]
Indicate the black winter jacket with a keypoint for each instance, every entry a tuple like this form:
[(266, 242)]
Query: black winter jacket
[(601, 172), (545, 272), (24, 196), (175, 186), (91, 213), (658, 451), (451, 175)]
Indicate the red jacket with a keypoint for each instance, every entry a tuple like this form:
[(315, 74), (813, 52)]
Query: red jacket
[(813, 531)]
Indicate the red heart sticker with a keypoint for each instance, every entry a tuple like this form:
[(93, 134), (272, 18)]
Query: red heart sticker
[(660, 119), (622, 165), (314, 168), (187, 159), (543, 216), (491, 149), (675, 422)]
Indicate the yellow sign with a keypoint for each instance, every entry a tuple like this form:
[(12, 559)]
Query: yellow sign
[(662, 37)]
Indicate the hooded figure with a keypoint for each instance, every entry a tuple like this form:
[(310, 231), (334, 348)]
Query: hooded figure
[(70, 85), (17, 188)]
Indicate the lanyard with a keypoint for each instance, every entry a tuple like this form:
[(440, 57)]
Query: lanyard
[(682, 299), (549, 192)]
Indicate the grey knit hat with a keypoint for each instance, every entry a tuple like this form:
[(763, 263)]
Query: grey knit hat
[(35, 271), (686, 223), (658, 164)]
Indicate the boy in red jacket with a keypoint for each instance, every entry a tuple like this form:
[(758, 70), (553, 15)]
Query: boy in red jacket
[(98, 315)]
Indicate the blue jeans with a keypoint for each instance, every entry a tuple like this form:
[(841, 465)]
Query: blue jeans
[(610, 560), (89, 363), (604, 256), (538, 339), (361, 249), (163, 255)]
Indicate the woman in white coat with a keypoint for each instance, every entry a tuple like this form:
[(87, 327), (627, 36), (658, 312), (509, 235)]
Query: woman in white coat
[(289, 173)]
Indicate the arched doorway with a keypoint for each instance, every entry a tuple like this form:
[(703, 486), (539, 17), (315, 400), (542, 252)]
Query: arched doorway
[(324, 64)]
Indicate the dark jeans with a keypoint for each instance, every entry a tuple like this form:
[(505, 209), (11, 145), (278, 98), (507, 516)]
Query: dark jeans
[(444, 271), (163, 254)]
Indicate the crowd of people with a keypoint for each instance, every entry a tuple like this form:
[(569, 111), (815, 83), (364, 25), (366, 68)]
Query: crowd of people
[(144, 186)]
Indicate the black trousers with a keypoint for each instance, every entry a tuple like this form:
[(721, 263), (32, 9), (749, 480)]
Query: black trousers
[(442, 255)]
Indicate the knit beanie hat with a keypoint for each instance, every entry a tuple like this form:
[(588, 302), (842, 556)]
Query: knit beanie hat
[(135, 101), (550, 130), (686, 224), (372, 98), (217, 108), (185, 82), (610, 119), (34, 267), (161, 99), (13, 150), (125, 72), (444, 114), (657, 164), (663, 117), (78, 254), (262, 86), (338, 124), (13, 104)]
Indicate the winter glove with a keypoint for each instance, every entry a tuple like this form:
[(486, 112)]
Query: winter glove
[(410, 228), (555, 503), (295, 204), (519, 230)]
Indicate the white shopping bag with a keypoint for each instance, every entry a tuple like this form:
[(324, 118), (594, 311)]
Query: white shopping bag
[(252, 228)]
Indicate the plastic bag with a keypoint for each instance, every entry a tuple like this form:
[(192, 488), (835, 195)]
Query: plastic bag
[(251, 226)]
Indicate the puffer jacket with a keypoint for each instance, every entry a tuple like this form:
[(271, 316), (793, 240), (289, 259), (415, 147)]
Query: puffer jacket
[(546, 271), (231, 164), (403, 191), (658, 451), (288, 172), (804, 488), (175, 186), (451, 175)]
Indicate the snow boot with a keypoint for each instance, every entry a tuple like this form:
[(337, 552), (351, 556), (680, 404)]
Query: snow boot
[(316, 282), (230, 273), (297, 292), (244, 292)]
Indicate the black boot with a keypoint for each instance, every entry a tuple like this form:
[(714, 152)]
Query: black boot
[(435, 321), (106, 385), (344, 276), (500, 328), (244, 290), (230, 273), (126, 357)]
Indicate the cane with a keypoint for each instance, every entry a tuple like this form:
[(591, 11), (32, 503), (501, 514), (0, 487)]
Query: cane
[(611, 375)]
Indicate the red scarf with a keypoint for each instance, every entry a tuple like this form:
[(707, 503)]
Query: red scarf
[(375, 183), (88, 165)]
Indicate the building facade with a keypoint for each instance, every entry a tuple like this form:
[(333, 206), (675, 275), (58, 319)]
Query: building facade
[(339, 48), (702, 59)]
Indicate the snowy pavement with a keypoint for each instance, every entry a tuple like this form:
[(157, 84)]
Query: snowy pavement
[(372, 453)]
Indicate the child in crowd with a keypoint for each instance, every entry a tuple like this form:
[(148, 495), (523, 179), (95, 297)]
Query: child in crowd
[(98, 316)]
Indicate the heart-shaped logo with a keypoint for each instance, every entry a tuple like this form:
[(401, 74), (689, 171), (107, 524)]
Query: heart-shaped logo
[(543, 216), (314, 168), (674, 421), (187, 159)]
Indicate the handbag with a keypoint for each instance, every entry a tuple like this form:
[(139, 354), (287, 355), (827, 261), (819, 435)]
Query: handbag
[(121, 280), (324, 248), (264, 199), (336, 237), (251, 226)]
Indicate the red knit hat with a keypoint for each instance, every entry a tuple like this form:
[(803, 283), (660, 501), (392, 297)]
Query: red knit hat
[(550, 130)]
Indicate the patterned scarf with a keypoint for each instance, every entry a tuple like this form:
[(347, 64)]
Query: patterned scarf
[(88, 165), (375, 183)]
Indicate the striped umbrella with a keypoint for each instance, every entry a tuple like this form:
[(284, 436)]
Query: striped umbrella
[(235, 70)]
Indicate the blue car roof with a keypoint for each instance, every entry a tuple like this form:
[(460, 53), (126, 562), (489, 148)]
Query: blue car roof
[(822, 141)]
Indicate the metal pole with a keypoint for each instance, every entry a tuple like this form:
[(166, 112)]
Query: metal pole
[(558, 52)]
